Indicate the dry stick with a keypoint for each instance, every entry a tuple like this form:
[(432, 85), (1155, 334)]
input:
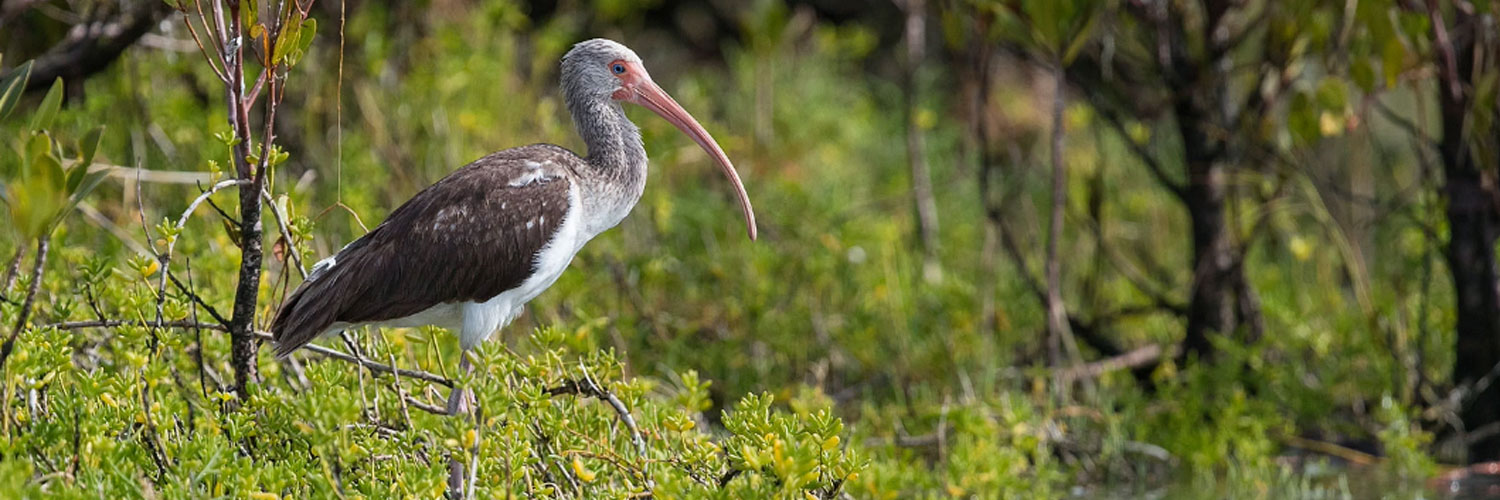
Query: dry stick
[(338, 120), (188, 290), (921, 176), (427, 407), (165, 258), (43, 244), (1060, 335), (1132, 359), (188, 22), (116, 323)]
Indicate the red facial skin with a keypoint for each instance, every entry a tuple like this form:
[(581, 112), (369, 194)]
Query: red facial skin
[(636, 87)]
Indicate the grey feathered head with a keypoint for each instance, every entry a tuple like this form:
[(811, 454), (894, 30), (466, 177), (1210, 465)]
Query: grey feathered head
[(593, 68)]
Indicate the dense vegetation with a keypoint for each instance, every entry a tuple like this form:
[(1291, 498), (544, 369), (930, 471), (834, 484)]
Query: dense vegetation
[(1237, 248)]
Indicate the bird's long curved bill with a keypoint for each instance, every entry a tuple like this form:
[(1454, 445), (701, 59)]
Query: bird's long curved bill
[(655, 99)]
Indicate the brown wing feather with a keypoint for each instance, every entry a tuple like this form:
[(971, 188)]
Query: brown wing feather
[(465, 238)]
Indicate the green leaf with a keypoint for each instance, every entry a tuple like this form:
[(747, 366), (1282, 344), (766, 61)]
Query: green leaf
[(1363, 74), (50, 171), (251, 13), (1392, 58), (1302, 119), (304, 40), (89, 146), (288, 38), (50, 104), (40, 145), (1331, 94), (75, 177), (1081, 38), (1045, 20), (10, 88), (91, 180)]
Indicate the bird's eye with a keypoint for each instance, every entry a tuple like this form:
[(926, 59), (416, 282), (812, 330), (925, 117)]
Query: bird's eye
[(618, 68)]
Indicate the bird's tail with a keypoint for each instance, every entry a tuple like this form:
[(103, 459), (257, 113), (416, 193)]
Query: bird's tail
[(302, 318)]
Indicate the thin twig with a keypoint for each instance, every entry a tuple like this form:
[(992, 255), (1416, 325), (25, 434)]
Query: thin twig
[(188, 22), (286, 232), (116, 323), (188, 290), (373, 366), (13, 269), (429, 408), (332, 353)]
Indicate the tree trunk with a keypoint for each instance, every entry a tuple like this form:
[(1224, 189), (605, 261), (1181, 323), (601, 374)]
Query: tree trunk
[(1471, 258), (1220, 300), (243, 345), (1474, 226), (1211, 303)]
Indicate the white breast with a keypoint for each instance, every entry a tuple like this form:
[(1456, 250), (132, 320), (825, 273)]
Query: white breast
[(481, 319)]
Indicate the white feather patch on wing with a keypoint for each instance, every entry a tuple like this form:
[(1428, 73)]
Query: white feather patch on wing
[(534, 172)]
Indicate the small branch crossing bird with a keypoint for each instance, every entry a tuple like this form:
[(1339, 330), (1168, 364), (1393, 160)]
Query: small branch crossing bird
[(468, 252)]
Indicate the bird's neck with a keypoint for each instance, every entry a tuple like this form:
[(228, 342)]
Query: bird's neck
[(616, 174), (614, 143)]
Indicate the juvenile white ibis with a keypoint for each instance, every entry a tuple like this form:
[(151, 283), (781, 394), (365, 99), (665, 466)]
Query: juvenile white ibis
[(468, 252)]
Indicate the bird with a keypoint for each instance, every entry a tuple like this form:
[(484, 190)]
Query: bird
[(468, 252)]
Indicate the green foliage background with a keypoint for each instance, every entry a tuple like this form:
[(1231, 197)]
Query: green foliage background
[(814, 362)]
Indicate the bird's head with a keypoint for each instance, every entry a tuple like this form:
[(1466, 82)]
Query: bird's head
[(597, 68)]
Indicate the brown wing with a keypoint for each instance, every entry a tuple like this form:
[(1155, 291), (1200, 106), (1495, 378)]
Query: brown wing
[(469, 237)]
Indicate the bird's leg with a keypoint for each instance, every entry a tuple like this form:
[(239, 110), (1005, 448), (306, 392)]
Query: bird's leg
[(461, 405), (461, 400)]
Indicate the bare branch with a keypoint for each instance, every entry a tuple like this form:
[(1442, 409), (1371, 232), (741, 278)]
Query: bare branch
[(88, 51), (12, 270), (116, 323), (591, 389), (332, 353), (1133, 359), (372, 365), (182, 220), (188, 290), (286, 232)]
